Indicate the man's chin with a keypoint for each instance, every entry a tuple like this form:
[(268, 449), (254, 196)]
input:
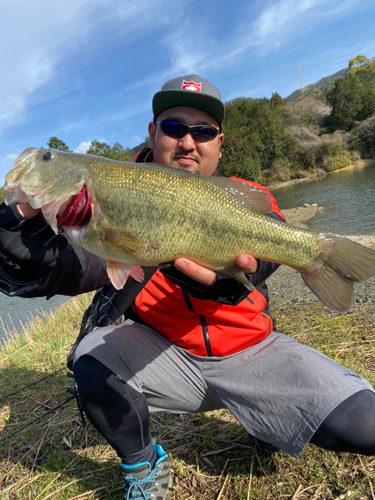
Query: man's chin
[(190, 167)]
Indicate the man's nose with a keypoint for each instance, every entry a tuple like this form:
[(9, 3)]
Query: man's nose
[(187, 143)]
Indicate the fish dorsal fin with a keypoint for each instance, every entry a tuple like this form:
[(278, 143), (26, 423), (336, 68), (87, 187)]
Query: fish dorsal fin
[(254, 198), (120, 239)]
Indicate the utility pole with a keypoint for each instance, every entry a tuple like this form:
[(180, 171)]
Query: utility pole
[(301, 78)]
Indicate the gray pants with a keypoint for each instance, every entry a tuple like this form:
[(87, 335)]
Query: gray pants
[(279, 390)]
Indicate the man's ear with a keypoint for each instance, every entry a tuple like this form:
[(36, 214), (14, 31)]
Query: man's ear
[(151, 133), (221, 138)]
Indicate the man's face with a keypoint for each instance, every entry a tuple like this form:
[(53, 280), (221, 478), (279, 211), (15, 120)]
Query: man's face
[(198, 157)]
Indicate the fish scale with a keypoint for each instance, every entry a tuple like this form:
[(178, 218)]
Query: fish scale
[(148, 214)]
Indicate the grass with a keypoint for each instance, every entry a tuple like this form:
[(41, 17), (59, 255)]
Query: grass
[(212, 456)]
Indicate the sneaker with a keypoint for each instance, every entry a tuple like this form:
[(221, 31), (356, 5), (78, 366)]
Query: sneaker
[(141, 481)]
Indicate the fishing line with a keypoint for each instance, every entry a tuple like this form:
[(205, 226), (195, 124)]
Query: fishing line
[(73, 391), (17, 391), (19, 429)]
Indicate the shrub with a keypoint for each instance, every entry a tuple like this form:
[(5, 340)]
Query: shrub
[(332, 164)]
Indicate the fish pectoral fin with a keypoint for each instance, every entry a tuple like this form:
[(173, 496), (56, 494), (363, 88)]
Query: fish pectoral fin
[(254, 198), (118, 273), (121, 239), (137, 273), (238, 274)]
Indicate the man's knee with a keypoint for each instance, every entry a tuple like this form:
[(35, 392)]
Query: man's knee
[(351, 426), (91, 375)]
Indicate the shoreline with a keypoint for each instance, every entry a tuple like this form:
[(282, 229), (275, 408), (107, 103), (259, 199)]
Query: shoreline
[(357, 165)]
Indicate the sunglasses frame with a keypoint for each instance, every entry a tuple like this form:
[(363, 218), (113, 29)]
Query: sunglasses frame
[(189, 128)]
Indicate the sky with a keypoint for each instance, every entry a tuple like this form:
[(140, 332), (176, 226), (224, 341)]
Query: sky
[(86, 70)]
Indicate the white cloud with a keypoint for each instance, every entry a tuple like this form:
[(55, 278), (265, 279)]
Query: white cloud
[(266, 30), (286, 16), (11, 158), (36, 39), (134, 141), (83, 147)]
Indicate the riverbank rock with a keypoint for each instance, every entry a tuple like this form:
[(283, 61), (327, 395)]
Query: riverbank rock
[(299, 215)]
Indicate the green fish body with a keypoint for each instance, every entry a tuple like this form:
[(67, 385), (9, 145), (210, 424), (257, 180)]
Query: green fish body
[(147, 214)]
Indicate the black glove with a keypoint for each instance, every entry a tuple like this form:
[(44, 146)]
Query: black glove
[(28, 247)]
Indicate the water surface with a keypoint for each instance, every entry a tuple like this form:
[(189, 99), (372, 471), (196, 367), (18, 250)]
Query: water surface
[(347, 198), (15, 311)]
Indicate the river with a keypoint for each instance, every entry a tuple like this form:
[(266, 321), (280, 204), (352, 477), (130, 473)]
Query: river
[(15, 311), (347, 198)]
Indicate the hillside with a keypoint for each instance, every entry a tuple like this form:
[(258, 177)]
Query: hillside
[(319, 89)]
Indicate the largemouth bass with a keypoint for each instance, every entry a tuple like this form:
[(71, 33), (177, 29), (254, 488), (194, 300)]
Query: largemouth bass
[(135, 215)]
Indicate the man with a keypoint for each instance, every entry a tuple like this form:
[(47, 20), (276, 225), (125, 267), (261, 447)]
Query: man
[(193, 341)]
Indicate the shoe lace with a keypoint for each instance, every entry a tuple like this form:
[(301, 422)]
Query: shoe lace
[(136, 485)]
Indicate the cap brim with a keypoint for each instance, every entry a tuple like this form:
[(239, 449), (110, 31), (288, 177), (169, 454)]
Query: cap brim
[(171, 98)]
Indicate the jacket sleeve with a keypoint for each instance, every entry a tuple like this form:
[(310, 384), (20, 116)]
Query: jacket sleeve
[(76, 271)]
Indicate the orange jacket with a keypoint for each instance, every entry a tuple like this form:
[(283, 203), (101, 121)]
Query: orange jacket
[(203, 327)]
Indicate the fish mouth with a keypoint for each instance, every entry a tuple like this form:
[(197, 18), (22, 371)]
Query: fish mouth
[(77, 211)]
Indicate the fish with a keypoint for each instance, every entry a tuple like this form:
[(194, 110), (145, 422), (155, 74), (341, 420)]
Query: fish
[(134, 215)]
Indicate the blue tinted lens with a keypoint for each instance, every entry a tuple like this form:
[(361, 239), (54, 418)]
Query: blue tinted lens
[(177, 130), (173, 129)]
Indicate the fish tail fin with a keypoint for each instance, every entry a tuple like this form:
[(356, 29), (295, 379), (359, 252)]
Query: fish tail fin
[(341, 263)]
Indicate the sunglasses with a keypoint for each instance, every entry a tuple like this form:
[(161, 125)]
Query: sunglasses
[(178, 130)]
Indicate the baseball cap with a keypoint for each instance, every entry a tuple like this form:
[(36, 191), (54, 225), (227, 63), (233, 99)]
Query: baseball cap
[(193, 91)]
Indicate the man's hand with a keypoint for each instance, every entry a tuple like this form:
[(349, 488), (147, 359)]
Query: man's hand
[(27, 211), (246, 262), (28, 247)]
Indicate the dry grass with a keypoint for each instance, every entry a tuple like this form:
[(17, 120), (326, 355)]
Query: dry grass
[(212, 457)]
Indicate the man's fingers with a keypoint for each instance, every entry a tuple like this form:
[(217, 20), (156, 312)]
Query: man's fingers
[(247, 263), (27, 211), (195, 271), (208, 277)]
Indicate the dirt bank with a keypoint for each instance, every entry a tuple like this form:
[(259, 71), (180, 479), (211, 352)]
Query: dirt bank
[(320, 174), (299, 215)]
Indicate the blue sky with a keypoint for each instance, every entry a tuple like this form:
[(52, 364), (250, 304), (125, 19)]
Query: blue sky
[(87, 69)]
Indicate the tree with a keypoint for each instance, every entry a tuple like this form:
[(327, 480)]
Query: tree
[(116, 152), (55, 143), (362, 138), (352, 99), (358, 63), (307, 112), (99, 149), (255, 136), (277, 100)]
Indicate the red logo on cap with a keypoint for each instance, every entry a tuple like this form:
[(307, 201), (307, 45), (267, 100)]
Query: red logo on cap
[(195, 87)]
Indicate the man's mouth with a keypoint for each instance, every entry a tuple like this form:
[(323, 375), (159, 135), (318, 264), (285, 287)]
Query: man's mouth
[(185, 160)]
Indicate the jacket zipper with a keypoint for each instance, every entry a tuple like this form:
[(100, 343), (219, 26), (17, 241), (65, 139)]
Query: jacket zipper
[(202, 319)]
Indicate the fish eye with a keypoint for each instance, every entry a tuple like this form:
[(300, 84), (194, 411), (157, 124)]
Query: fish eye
[(47, 156)]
